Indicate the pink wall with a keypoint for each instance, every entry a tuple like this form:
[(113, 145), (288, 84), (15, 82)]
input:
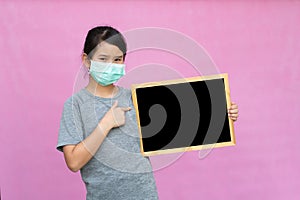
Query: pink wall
[(257, 43)]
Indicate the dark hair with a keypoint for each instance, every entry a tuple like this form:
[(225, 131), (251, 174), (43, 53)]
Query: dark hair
[(104, 33)]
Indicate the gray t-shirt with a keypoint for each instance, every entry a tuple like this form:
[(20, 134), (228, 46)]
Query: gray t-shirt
[(118, 170)]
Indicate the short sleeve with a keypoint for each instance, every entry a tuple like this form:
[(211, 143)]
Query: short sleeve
[(71, 127)]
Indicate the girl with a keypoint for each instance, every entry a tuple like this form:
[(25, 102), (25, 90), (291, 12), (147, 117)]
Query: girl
[(98, 132)]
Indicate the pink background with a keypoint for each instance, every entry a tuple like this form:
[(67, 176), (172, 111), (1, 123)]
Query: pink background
[(256, 43)]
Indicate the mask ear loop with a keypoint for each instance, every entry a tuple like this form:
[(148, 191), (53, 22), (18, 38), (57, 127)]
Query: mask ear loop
[(85, 70), (88, 69)]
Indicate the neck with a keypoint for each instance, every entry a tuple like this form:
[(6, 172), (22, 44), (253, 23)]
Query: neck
[(101, 91)]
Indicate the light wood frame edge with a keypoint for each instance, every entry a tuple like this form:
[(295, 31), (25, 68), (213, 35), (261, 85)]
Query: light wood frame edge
[(190, 148), (135, 104)]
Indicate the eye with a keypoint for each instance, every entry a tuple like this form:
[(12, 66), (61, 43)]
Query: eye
[(102, 59), (118, 59)]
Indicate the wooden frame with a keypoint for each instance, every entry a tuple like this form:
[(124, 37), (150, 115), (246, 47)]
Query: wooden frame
[(224, 77)]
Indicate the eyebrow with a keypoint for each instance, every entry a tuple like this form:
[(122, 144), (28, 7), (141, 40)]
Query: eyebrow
[(108, 55), (103, 55)]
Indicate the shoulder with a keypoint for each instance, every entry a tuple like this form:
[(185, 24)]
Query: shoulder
[(77, 99), (125, 92)]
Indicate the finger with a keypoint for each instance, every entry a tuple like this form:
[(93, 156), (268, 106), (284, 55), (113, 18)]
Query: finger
[(233, 107), (233, 116), (233, 119), (126, 108), (115, 104), (234, 111)]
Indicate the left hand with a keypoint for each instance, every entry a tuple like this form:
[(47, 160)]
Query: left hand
[(233, 111)]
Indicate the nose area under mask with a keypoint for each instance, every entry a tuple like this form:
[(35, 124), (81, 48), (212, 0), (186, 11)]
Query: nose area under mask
[(106, 73)]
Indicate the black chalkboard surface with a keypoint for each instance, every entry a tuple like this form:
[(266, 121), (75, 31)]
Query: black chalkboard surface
[(183, 115)]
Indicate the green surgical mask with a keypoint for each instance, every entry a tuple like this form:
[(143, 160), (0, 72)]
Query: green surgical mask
[(106, 73)]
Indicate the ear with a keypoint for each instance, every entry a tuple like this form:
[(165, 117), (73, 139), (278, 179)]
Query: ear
[(85, 60)]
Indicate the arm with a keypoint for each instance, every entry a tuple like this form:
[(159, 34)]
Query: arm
[(76, 156)]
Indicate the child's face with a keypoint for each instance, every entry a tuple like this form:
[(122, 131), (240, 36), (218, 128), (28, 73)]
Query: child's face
[(109, 53)]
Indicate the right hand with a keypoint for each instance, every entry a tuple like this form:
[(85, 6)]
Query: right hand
[(115, 117)]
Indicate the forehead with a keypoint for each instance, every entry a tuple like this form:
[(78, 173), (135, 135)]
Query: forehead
[(108, 49)]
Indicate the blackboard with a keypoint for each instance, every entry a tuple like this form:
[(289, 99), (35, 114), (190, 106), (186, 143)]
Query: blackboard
[(184, 114)]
